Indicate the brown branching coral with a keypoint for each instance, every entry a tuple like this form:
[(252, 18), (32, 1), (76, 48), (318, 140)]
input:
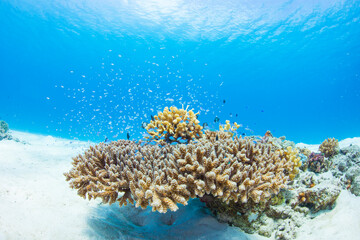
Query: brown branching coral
[(174, 124), (329, 147), (126, 171), (162, 176), (217, 135)]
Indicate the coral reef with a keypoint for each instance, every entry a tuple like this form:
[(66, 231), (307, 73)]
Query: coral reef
[(230, 169), (4, 129), (4, 132), (347, 168), (308, 194), (316, 163), (173, 125), (259, 184), (329, 147)]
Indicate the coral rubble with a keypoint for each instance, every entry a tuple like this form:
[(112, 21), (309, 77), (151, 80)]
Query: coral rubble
[(329, 147), (319, 198)]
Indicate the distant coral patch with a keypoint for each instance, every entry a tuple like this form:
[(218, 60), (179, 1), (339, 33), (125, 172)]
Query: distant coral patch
[(329, 147)]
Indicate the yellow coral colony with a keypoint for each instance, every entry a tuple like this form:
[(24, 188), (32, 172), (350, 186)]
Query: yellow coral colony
[(174, 123), (227, 127), (229, 168), (329, 147), (293, 156)]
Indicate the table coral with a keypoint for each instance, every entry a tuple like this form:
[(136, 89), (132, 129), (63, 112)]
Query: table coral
[(230, 169), (329, 147), (174, 124)]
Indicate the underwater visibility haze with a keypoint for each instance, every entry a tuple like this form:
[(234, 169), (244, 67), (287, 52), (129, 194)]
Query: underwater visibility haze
[(96, 69)]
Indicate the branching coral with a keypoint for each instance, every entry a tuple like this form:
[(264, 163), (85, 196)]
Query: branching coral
[(174, 124), (329, 147), (227, 127), (230, 169), (291, 154)]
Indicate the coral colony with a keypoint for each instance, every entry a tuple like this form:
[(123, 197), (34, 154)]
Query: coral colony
[(237, 178), (213, 163), (329, 147)]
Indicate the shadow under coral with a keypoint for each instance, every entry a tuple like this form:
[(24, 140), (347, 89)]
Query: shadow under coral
[(193, 221)]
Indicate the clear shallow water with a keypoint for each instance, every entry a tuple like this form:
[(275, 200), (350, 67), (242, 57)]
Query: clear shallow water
[(90, 69)]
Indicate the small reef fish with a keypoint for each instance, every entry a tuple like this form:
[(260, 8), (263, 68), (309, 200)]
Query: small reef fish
[(152, 118), (127, 136), (224, 101), (143, 125), (248, 129), (236, 115), (205, 124), (216, 120)]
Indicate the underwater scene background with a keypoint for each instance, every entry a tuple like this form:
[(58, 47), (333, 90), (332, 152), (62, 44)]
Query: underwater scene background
[(179, 119), (96, 69)]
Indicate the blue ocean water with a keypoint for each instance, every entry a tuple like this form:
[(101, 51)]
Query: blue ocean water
[(96, 69)]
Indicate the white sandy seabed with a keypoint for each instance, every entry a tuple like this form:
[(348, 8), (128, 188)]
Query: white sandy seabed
[(37, 203)]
